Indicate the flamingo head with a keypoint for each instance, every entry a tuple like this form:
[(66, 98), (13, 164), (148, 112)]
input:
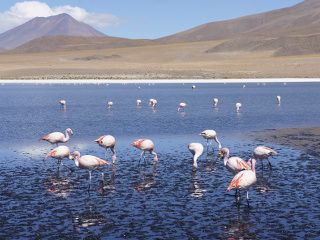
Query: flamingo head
[(223, 152), (136, 143), (69, 130), (99, 140), (75, 155)]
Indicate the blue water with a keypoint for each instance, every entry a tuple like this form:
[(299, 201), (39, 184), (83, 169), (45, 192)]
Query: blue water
[(166, 201)]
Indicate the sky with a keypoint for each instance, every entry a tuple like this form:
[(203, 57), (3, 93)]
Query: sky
[(136, 18)]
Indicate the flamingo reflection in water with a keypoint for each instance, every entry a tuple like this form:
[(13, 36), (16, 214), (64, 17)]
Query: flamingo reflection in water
[(239, 227), (60, 186), (90, 217), (147, 180), (196, 191), (108, 186)]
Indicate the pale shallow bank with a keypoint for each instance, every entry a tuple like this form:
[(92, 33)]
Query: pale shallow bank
[(304, 139), (146, 81)]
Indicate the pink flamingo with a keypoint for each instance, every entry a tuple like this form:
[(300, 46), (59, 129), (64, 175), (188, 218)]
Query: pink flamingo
[(153, 102), (238, 106), (58, 137), (59, 153), (215, 102), (88, 162), (210, 135), (263, 152), (110, 105), (182, 106), (108, 141), (233, 164), (146, 145), (196, 149), (63, 102), (244, 180)]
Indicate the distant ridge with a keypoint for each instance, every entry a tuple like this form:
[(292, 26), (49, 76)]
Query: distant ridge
[(71, 43), (58, 25)]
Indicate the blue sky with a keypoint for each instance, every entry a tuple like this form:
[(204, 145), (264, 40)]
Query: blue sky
[(142, 18)]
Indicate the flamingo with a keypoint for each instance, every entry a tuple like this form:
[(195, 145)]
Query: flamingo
[(59, 153), (146, 145), (210, 135), (182, 106), (263, 152), (244, 180), (58, 137), (233, 164), (153, 102), (110, 104), (238, 106), (215, 102), (278, 100), (139, 102), (196, 149), (63, 102), (108, 141), (88, 162)]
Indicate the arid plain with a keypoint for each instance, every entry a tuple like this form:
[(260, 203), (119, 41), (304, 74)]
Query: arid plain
[(176, 60)]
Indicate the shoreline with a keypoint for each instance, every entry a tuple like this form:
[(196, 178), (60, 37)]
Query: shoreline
[(152, 81)]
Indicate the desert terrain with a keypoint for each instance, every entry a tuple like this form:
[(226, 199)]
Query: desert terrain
[(177, 60)]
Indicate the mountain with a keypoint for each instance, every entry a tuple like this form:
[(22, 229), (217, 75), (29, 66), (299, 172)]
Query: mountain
[(71, 43), (301, 19), (58, 25)]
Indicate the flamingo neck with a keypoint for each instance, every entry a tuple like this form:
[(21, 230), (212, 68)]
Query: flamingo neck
[(226, 158), (253, 165), (219, 144), (67, 136)]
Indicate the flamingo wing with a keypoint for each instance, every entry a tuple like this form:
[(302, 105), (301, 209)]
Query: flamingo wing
[(242, 165), (235, 181)]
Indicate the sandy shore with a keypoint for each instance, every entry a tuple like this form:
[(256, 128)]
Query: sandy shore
[(146, 81), (305, 139)]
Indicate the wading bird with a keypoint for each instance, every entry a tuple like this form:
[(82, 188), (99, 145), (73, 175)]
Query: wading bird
[(59, 153), (58, 137), (263, 152), (210, 135), (238, 106), (233, 164), (244, 180), (196, 149), (88, 162), (110, 104), (63, 102), (215, 102), (182, 106), (153, 102), (278, 100), (146, 145), (108, 141)]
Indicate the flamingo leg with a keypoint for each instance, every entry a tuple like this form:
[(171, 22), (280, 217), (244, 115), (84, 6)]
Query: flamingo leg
[(155, 159), (238, 197), (113, 155), (269, 164), (248, 198), (89, 180), (141, 156)]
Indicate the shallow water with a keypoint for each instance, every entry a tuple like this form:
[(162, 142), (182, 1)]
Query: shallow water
[(163, 201)]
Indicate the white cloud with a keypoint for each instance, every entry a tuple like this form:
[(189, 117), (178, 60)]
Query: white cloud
[(24, 11)]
